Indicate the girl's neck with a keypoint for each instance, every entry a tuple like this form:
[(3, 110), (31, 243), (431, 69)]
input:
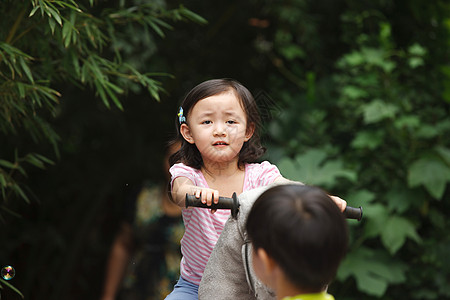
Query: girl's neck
[(226, 178), (216, 169)]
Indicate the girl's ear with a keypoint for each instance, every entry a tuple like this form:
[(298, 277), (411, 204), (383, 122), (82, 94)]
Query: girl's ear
[(250, 131), (186, 133)]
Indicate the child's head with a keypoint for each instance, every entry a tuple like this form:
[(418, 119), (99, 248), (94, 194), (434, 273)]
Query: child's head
[(189, 153), (302, 231)]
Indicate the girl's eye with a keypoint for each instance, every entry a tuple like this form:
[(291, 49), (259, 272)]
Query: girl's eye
[(231, 122), (206, 122)]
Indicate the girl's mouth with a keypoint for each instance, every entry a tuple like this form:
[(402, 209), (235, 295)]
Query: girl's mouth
[(220, 144)]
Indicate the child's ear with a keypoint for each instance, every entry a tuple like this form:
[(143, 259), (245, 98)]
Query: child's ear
[(250, 131), (186, 133), (267, 261)]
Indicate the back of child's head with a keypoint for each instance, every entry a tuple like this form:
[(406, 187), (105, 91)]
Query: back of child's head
[(251, 150), (303, 230)]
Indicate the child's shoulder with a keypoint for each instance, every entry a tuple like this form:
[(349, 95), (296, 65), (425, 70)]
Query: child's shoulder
[(263, 173), (260, 166), (182, 168)]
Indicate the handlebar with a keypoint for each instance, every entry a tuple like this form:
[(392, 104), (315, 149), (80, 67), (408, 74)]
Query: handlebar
[(233, 204), (224, 203), (353, 212)]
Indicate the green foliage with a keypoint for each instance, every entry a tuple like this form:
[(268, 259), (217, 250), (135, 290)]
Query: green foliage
[(374, 132), (360, 102), (55, 42), (45, 46), (311, 168)]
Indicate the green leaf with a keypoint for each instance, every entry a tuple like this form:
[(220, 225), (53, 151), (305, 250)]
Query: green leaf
[(415, 62), (20, 192), (444, 153), (401, 198), (44, 159), (7, 164), (309, 168), (396, 230), (55, 14), (291, 52), (156, 28), (378, 110), (2, 180), (9, 285), (368, 140), (354, 92), (417, 49), (192, 16), (372, 270), (360, 196), (32, 159), (52, 25), (33, 11), (353, 59), (26, 69), (410, 122), (376, 215), (430, 172), (427, 131)]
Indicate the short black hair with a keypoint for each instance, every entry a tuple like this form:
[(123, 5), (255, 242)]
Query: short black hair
[(251, 150), (303, 230)]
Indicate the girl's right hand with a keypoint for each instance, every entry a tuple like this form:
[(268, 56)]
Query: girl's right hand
[(207, 195)]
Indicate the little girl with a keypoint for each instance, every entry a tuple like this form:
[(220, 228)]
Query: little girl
[(218, 122)]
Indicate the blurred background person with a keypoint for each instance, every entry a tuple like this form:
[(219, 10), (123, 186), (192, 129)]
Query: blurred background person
[(145, 256)]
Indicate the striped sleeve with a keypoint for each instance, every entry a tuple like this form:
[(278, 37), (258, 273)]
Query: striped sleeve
[(261, 174), (181, 170)]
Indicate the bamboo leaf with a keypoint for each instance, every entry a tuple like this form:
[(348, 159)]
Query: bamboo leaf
[(44, 159), (26, 69), (33, 11), (156, 28), (52, 25), (21, 193), (192, 16), (21, 89), (101, 92), (113, 97), (30, 158), (2, 180), (56, 15), (7, 164), (11, 287)]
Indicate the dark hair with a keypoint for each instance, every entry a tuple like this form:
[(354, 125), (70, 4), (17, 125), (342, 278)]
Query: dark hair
[(303, 230), (251, 150)]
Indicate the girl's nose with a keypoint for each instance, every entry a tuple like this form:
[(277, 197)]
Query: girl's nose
[(219, 130)]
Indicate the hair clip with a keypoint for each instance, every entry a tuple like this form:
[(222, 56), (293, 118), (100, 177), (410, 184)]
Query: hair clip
[(181, 117)]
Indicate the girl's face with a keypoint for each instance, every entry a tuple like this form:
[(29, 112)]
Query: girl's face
[(218, 127)]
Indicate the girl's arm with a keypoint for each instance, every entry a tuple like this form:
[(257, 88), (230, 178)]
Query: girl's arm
[(182, 186), (342, 204)]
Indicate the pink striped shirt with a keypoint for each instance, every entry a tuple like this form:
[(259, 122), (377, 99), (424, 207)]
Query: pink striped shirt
[(202, 229)]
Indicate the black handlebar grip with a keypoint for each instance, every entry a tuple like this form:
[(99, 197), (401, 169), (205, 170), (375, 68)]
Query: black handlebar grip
[(224, 203), (353, 213)]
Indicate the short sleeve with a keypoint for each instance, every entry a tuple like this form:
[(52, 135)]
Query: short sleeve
[(261, 174), (181, 170)]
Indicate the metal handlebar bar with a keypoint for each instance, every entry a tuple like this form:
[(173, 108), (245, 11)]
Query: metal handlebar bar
[(233, 204)]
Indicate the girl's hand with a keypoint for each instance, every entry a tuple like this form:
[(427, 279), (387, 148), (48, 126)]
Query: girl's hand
[(342, 204), (207, 196)]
